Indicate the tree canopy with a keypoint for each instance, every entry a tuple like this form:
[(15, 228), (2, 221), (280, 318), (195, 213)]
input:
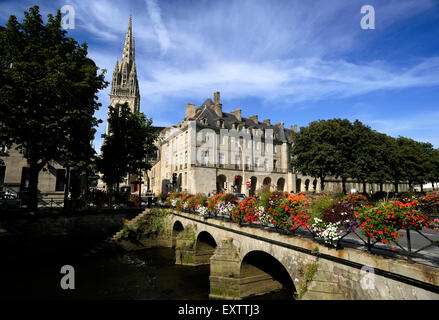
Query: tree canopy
[(128, 145), (339, 148), (47, 94)]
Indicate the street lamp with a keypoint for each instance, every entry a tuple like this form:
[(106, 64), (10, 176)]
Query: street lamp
[(242, 162)]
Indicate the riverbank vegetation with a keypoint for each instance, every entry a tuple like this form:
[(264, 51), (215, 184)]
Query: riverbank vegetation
[(150, 223)]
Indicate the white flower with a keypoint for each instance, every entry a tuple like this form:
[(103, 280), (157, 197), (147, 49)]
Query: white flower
[(327, 231), (202, 211), (262, 216), (224, 209)]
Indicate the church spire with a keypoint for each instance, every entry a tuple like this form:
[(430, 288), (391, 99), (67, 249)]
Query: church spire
[(128, 48), (125, 87)]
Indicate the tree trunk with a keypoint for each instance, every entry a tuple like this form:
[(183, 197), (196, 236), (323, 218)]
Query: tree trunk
[(410, 185), (422, 187), (396, 185), (343, 183), (432, 185), (66, 189), (35, 169), (140, 184), (322, 184), (364, 187), (381, 187)]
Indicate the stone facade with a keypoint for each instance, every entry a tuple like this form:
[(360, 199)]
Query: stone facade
[(14, 177), (215, 151)]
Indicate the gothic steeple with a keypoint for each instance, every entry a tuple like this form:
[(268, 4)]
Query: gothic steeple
[(128, 48), (124, 84)]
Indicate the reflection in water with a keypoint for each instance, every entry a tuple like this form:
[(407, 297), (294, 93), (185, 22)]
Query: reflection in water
[(144, 274)]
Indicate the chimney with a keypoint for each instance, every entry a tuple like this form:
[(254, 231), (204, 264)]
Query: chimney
[(216, 97), (237, 114), (190, 110), (267, 122), (217, 106), (254, 118)]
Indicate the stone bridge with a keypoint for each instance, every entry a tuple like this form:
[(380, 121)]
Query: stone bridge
[(246, 261)]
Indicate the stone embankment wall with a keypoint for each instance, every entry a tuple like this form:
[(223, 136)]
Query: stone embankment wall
[(45, 233)]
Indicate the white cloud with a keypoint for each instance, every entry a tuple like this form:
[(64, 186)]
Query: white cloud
[(294, 80), (159, 28)]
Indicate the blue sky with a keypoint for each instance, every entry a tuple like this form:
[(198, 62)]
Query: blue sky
[(291, 61)]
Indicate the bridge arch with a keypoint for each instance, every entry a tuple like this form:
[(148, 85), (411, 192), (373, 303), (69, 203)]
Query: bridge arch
[(264, 267), (177, 227), (204, 248), (205, 238)]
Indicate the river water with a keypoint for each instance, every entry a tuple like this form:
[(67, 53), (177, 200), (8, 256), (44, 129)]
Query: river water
[(145, 274)]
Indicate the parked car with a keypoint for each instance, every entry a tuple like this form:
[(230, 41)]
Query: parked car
[(9, 201), (240, 196)]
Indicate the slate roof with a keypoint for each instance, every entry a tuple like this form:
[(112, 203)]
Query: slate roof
[(206, 111)]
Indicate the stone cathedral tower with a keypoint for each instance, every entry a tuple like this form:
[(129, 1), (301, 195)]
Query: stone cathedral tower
[(124, 85)]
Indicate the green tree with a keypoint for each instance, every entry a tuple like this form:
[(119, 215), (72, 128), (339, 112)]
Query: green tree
[(411, 160), (433, 176), (322, 149), (128, 145), (426, 162), (50, 85), (395, 156), (342, 135), (365, 153), (384, 157)]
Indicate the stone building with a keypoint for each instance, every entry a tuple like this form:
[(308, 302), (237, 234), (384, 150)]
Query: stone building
[(15, 174), (215, 151)]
